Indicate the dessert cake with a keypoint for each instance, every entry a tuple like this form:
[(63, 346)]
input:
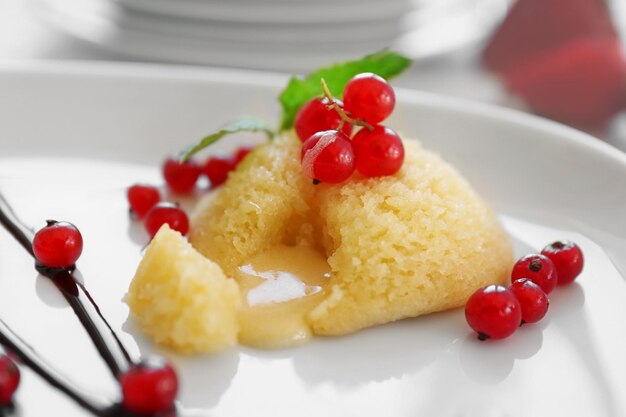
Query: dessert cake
[(399, 246)]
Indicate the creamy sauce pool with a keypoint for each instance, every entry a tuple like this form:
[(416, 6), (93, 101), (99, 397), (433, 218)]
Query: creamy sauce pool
[(279, 288)]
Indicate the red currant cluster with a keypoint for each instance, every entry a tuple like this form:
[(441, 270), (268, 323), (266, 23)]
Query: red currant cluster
[(181, 177), (496, 312), (325, 125)]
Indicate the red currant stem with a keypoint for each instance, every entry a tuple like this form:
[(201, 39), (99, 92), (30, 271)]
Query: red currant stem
[(341, 112)]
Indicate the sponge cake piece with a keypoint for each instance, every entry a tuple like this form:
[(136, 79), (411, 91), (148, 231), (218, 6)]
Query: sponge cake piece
[(183, 300)]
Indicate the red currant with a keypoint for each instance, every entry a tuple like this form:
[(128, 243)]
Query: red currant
[(537, 268), (378, 152), (58, 245), (532, 299), (181, 177), (149, 387), (567, 258), (328, 157), (169, 213), (241, 153), (9, 379), (368, 96), (217, 169), (493, 312), (141, 198), (315, 116)]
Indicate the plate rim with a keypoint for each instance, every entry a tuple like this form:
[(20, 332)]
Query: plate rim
[(269, 79)]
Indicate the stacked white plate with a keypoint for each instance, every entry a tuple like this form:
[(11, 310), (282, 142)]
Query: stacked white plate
[(286, 35)]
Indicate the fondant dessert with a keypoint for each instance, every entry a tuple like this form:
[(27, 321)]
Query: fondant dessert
[(326, 231), (398, 246)]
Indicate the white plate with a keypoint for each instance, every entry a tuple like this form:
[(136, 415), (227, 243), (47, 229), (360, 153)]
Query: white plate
[(425, 32), (274, 12), (73, 136), (329, 34)]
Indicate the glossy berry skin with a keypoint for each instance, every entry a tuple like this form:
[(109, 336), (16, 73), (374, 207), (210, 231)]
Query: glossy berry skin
[(368, 96), (9, 379), (567, 258), (328, 157), (538, 269), (378, 152), (217, 169), (58, 245), (315, 117), (169, 213), (181, 177), (241, 153), (142, 198), (532, 299), (149, 387), (493, 312)]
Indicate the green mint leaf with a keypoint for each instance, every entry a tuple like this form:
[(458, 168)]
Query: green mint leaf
[(385, 63), (243, 124)]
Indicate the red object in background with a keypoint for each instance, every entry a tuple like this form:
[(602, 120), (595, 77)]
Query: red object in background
[(582, 83), (563, 57), (536, 27)]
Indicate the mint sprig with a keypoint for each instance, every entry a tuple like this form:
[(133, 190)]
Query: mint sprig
[(386, 63), (298, 91), (242, 124)]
